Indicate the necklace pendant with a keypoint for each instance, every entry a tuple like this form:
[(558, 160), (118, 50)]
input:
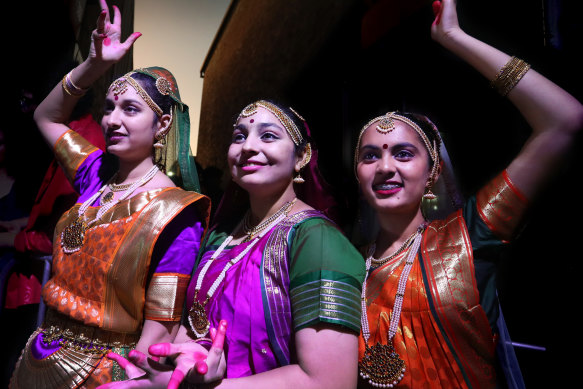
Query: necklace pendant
[(382, 366), (107, 198), (198, 320), (73, 236)]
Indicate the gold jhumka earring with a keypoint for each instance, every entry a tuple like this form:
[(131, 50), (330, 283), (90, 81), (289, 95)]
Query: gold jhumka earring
[(298, 179)]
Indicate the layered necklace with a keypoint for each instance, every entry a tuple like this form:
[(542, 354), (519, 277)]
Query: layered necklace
[(73, 236), (197, 316), (381, 365)]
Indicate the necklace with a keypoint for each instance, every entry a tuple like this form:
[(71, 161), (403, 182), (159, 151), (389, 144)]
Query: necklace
[(381, 364), (73, 236), (406, 243), (251, 231), (113, 187), (197, 316)]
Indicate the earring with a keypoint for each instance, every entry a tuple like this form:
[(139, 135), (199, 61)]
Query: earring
[(160, 140), (299, 179)]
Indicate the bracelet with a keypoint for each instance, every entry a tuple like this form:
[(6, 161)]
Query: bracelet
[(509, 75), (70, 88)]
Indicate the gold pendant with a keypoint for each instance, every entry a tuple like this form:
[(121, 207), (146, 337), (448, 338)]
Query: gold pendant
[(107, 198), (382, 366), (198, 319), (73, 236)]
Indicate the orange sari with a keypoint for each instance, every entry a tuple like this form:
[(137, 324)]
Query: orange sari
[(444, 335)]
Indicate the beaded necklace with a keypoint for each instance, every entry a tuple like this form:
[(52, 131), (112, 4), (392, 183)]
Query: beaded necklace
[(381, 365), (197, 316), (73, 236)]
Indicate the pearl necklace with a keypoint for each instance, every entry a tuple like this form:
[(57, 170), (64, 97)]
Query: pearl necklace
[(381, 364), (252, 231), (73, 236), (197, 316)]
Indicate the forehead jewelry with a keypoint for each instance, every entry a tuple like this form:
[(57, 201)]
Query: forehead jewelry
[(120, 86), (285, 120), (386, 124)]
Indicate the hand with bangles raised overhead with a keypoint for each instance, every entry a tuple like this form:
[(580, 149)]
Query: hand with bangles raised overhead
[(431, 311), (124, 253)]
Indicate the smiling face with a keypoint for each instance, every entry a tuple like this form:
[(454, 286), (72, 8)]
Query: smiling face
[(129, 125), (393, 169), (262, 157)]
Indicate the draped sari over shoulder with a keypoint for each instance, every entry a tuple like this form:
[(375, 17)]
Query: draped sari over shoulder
[(134, 265), (447, 331), (301, 272)]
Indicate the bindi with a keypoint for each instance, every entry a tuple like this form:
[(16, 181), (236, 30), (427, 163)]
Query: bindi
[(251, 121), (385, 146)]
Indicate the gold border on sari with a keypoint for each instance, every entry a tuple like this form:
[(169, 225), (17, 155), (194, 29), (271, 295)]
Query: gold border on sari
[(165, 296), (71, 149), (501, 206)]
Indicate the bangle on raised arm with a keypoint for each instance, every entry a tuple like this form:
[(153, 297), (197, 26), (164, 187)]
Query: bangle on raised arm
[(70, 88), (509, 75)]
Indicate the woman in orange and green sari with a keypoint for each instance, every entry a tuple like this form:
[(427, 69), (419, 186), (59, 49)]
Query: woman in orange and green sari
[(429, 295)]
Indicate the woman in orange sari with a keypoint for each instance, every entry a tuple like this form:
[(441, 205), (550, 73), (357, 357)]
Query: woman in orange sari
[(426, 298)]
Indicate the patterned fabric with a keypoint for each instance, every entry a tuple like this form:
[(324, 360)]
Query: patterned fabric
[(140, 249), (445, 336), (260, 296)]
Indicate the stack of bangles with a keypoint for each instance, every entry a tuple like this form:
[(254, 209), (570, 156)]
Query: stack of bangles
[(510, 74), (70, 88)]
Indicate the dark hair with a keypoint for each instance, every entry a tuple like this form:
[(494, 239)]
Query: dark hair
[(429, 129), (149, 84), (300, 124)]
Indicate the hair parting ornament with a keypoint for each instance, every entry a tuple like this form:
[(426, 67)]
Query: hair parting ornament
[(386, 124), (120, 86), (284, 119)]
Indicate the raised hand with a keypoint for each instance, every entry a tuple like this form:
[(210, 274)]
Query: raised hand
[(446, 20), (106, 44), (193, 361)]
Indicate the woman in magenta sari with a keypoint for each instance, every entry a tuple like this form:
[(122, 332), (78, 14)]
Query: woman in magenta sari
[(276, 276)]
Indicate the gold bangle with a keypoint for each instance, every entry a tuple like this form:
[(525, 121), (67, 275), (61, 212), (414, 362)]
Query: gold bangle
[(509, 75), (70, 88)]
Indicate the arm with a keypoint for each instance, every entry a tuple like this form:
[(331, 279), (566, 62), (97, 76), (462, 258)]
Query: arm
[(327, 358), (554, 115), (106, 49)]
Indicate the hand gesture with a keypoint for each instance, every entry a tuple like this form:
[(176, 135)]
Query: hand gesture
[(143, 372), (106, 44), (446, 21), (193, 361)]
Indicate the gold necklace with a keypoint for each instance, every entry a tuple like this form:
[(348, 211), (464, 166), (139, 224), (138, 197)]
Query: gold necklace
[(197, 316), (251, 231), (106, 198), (73, 235), (381, 365), (406, 243)]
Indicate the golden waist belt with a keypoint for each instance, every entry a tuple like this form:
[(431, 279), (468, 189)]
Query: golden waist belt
[(84, 338)]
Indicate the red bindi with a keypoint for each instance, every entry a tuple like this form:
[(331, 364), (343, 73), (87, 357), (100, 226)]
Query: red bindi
[(115, 98), (385, 146), (251, 121)]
